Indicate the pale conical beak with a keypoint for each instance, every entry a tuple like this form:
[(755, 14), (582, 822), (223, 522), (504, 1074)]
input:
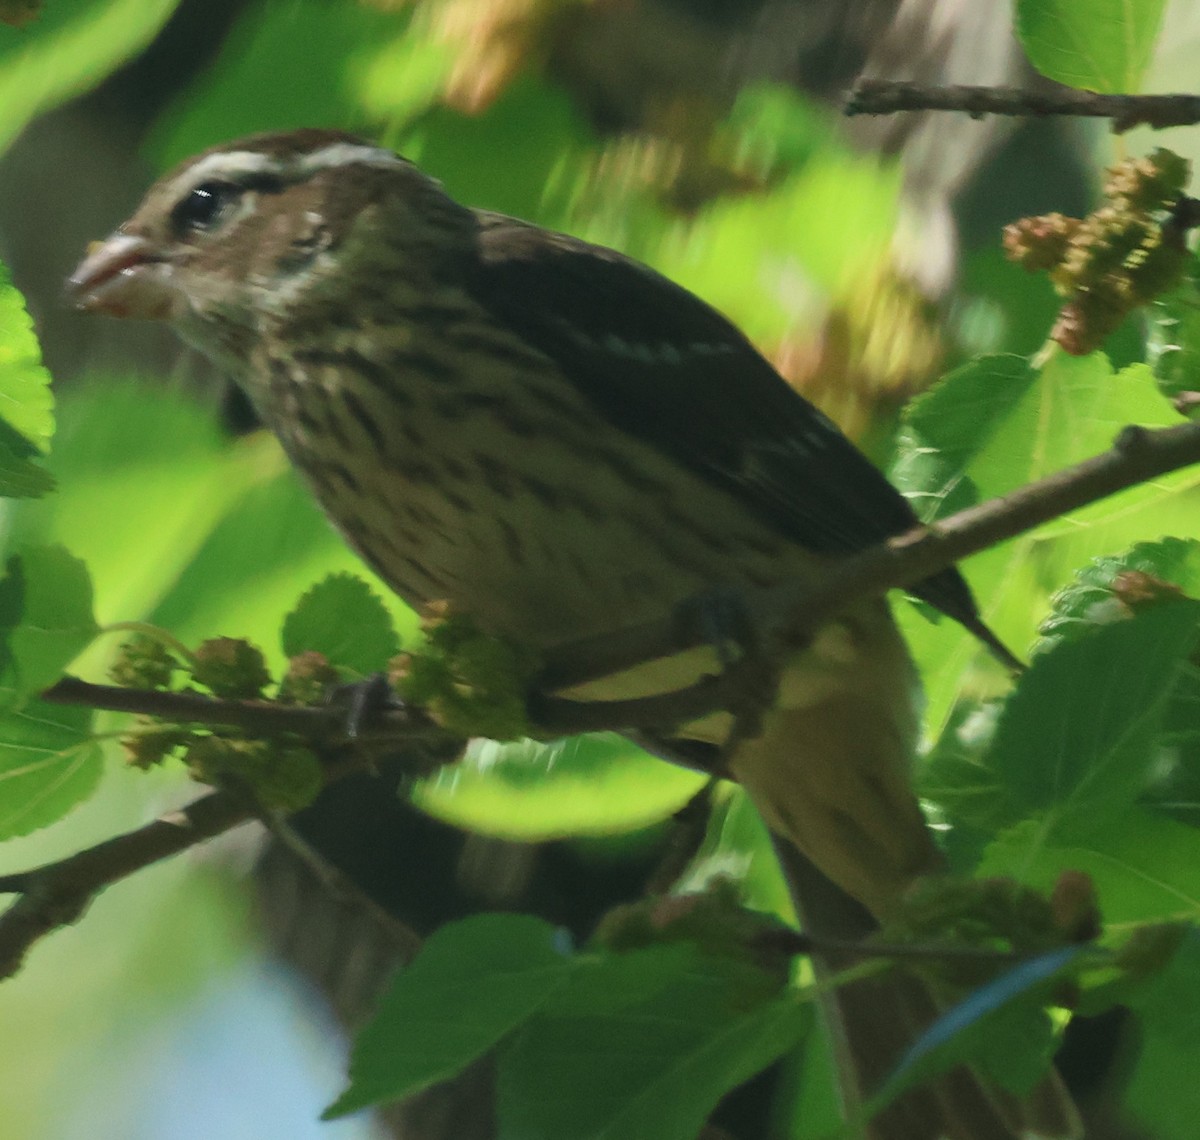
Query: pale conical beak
[(123, 277)]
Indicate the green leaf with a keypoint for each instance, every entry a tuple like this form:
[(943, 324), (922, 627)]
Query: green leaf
[(829, 224), (407, 76), (343, 618), (1173, 336), (1145, 868), (651, 1061), (1101, 45), (49, 594), (471, 985), (1090, 731), (49, 762), (1163, 1094), (1073, 411), (1090, 599), (738, 847), (1107, 590), (957, 774), (508, 157), (812, 1075), (19, 478), (178, 526), (69, 48), (598, 784), (143, 476), (946, 427), (1079, 732), (26, 404), (275, 537)]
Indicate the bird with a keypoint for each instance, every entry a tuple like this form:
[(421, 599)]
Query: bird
[(560, 442)]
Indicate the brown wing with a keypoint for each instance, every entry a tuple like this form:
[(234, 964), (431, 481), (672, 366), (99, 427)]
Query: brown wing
[(659, 363)]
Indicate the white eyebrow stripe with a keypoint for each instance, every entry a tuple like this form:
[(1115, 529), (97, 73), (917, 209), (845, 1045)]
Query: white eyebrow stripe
[(343, 154), (232, 164), (229, 164)]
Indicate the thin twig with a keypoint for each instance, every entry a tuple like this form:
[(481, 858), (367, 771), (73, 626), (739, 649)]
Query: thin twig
[(57, 894), (799, 942), (890, 97), (317, 725)]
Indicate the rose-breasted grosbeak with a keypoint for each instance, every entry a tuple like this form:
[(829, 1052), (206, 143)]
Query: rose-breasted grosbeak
[(562, 442)]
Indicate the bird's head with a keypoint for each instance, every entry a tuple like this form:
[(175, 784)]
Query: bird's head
[(269, 228)]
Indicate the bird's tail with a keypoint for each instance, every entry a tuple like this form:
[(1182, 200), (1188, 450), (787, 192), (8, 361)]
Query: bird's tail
[(829, 770), (871, 1023)]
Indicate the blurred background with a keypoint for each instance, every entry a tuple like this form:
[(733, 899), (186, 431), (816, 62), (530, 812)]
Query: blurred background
[(205, 997)]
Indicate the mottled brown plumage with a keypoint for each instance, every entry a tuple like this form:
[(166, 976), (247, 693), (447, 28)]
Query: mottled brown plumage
[(561, 442)]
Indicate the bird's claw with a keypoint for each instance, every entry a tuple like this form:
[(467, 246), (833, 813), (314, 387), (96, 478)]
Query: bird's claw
[(363, 701), (721, 618)]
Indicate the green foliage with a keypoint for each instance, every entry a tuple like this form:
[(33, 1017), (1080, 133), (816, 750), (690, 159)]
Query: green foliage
[(1078, 737), (473, 983), (1057, 782), (949, 425), (46, 615), (738, 847), (1101, 45), (1115, 586), (24, 382), (656, 1043), (1173, 338), (345, 621), (71, 46), (287, 65), (1163, 1091), (20, 478), (640, 1043), (49, 763), (832, 220), (177, 527), (1089, 765), (28, 420), (471, 682), (509, 157), (1026, 424), (529, 791)]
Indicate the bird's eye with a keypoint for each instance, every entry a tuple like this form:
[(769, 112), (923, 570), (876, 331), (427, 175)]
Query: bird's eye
[(201, 208)]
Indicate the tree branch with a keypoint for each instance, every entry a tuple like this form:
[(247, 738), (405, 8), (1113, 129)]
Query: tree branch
[(889, 97), (323, 724), (1137, 456), (57, 894)]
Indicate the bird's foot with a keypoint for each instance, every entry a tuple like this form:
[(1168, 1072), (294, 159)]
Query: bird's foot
[(720, 618), (363, 701)]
